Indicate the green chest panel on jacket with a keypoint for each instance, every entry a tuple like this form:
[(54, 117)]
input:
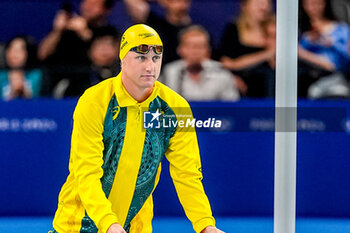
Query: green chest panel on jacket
[(155, 146)]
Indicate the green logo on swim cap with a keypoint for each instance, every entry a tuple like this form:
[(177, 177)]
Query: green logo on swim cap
[(146, 35), (123, 45)]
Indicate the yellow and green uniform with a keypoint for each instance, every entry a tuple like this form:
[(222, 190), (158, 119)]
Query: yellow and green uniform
[(115, 164)]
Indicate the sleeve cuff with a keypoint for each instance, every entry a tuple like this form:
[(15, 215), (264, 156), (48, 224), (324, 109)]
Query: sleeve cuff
[(106, 222), (203, 223)]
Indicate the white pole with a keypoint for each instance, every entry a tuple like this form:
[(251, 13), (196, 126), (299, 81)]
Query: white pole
[(286, 103)]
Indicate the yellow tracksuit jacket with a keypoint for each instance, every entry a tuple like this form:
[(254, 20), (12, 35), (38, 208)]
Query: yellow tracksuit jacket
[(115, 163)]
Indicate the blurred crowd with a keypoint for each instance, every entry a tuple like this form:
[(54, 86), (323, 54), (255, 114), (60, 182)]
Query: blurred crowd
[(82, 49)]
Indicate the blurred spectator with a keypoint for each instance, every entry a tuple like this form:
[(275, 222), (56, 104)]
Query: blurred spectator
[(270, 32), (103, 52), (196, 77), (20, 78), (176, 18), (324, 48), (65, 48), (247, 50)]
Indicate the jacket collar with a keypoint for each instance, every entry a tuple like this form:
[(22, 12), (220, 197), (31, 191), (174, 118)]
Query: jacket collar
[(125, 99)]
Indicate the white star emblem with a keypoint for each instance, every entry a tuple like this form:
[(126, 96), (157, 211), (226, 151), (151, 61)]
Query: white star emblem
[(156, 115)]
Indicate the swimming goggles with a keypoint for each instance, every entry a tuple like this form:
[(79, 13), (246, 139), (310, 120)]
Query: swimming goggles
[(144, 49)]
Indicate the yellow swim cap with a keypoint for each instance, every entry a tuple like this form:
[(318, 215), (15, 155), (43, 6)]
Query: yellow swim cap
[(137, 35)]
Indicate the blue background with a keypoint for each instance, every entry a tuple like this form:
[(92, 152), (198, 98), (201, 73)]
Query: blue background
[(238, 167)]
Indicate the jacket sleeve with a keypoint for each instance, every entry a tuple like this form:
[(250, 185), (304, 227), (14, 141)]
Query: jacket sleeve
[(185, 171), (87, 160)]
